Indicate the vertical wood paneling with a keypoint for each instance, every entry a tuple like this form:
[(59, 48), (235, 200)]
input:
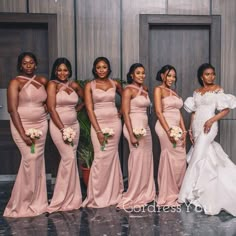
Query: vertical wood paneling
[(227, 10), (98, 34), (189, 7), (13, 6), (228, 137), (130, 27), (65, 25)]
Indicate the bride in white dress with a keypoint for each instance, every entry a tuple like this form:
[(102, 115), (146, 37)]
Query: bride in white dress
[(210, 179)]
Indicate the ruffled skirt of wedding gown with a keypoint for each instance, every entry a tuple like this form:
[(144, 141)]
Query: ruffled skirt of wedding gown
[(210, 180)]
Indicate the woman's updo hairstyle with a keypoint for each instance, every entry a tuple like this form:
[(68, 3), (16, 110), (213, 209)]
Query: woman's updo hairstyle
[(163, 70), (201, 70), (131, 71)]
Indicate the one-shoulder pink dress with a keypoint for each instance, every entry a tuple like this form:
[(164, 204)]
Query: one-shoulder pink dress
[(29, 194), (105, 185), (67, 192), (141, 189), (172, 163)]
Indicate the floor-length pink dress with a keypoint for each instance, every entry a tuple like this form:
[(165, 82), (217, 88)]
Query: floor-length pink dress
[(141, 189), (67, 192), (29, 194), (105, 185), (172, 163)]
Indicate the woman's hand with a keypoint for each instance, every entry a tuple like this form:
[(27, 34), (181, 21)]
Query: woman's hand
[(134, 141), (172, 140), (101, 138), (191, 136), (183, 139), (27, 140), (207, 126)]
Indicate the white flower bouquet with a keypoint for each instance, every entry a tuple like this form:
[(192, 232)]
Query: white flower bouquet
[(107, 132), (68, 135), (176, 133), (33, 134), (139, 132)]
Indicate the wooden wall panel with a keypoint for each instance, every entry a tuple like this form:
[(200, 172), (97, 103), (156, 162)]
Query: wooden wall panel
[(130, 27), (227, 10), (65, 25), (98, 34), (13, 6), (189, 7), (228, 137)]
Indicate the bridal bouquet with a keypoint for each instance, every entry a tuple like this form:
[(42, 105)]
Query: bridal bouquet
[(176, 133), (33, 134), (139, 132), (107, 132), (68, 135)]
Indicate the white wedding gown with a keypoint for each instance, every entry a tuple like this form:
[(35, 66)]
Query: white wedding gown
[(210, 179)]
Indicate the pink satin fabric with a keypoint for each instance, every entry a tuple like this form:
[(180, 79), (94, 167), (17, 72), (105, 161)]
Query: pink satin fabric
[(141, 189), (29, 194), (105, 185), (67, 192), (172, 163)]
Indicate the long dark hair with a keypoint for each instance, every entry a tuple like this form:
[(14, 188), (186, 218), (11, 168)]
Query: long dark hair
[(163, 70), (58, 62), (201, 70), (96, 61), (132, 68), (21, 57)]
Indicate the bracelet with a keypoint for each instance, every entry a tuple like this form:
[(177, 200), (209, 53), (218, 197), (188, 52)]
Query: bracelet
[(98, 131), (61, 129), (185, 131)]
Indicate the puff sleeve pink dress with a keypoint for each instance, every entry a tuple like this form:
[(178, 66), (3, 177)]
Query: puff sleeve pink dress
[(29, 194), (67, 192), (141, 189), (105, 185), (172, 163)]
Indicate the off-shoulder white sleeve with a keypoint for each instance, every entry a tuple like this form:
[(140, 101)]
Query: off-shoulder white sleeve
[(189, 105), (225, 101)]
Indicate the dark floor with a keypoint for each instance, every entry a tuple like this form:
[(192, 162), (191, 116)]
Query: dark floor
[(108, 221)]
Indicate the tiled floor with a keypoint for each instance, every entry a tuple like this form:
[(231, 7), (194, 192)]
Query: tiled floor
[(108, 221)]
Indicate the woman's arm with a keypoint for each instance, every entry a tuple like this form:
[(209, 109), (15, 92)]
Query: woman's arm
[(190, 128), (159, 113), (80, 93), (119, 90), (12, 104), (182, 126), (209, 123), (51, 105), (127, 96), (91, 114)]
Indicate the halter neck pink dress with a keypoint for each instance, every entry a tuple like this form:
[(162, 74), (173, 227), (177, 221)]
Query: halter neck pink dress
[(172, 163), (29, 194), (67, 192), (141, 189), (105, 185)]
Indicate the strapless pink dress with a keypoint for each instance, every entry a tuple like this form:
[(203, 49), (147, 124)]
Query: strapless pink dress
[(67, 192), (105, 185), (141, 189), (172, 163), (29, 194)]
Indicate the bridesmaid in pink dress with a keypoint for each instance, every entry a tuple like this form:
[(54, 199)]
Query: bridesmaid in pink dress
[(62, 103), (172, 163), (135, 102), (26, 96), (105, 185)]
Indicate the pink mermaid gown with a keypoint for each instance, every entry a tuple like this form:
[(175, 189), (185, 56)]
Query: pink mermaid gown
[(29, 194), (105, 185), (67, 192), (141, 188), (172, 163)]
